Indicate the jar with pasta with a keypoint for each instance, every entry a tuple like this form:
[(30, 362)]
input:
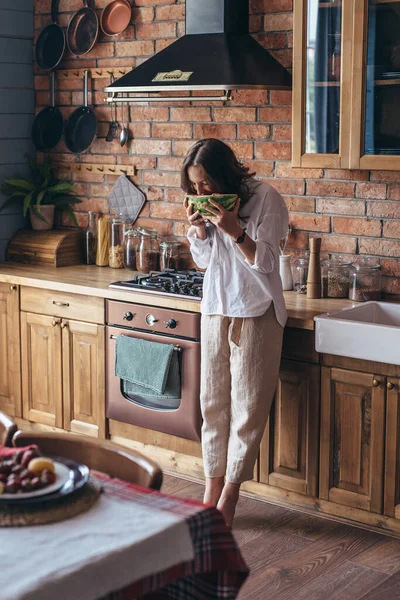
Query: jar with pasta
[(148, 252), (103, 241), (116, 251)]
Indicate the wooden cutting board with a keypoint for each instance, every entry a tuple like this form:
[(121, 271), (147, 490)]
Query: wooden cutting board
[(54, 248)]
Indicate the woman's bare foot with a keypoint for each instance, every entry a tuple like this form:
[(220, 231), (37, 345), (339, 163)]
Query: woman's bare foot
[(213, 491), (228, 501)]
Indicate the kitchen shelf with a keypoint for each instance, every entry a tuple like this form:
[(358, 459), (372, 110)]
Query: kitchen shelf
[(97, 168)]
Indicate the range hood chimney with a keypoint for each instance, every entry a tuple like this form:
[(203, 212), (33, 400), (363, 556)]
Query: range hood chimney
[(216, 53)]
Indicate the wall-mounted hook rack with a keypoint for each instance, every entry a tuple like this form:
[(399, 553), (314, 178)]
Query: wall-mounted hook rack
[(97, 168), (94, 72)]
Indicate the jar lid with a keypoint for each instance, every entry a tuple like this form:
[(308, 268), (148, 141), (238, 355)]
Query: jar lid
[(300, 261), (337, 262), (147, 231), (366, 264), (170, 244), (131, 233)]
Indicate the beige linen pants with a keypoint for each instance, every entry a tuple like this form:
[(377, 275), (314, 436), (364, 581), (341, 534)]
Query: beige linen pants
[(239, 370)]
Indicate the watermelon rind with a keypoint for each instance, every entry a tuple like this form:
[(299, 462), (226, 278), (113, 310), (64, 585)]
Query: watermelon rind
[(228, 201)]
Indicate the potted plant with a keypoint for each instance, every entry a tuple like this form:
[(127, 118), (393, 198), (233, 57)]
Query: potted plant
[(41, 194)]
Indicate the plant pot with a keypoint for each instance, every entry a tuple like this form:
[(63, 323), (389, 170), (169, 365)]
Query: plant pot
[(47, 213)]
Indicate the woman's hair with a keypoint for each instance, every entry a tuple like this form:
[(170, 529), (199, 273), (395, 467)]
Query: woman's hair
[(225, 174)]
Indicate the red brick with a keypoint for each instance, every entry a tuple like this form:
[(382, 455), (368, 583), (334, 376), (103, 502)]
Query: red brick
[(280, 98), (282, 132), (161, 178), (368, 227), (394, 192), (390, 267), (275, 115), (262, 168), (290, 39), (371, 190), (255, 23), (310, 222), (392, 229), (154, 194), (235, 115), (180, 28), (242, 150), (140, 162), (288, 186), (42, 6), (170, 13), (174, 195), (148, 113), (182, 147), (151, 147), (341, 207), (41, 82), (82, 219), (273, 150), (142, 14), (284, 57), (164, 43), (169, 163), (153, 2), (272, 41), (101, 191), (390, 210), (253, 132), (190, 114), (301, 204), (136, 48), (155, 31), (330, 188), (339, 243), (167, 210), (172, 130), (285, 169), (391, 285), (379, 247), (349, 175), (297, 239), (98, 205), (213, 130), (250, 97), (138, 130), (266, 6), (181, 228), (101, 50), (69, 5), (163, 227), (385, 176), (278, 22), (100, 146)]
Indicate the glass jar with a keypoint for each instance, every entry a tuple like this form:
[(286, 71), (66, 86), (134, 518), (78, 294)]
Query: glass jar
[(103, 241), (130, 247), (365, 281), (116, 251), (90, 239), (299, 274), (169, 254), (148, 251), (336, 277)]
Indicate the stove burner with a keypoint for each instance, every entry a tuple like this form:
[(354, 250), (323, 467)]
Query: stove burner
[(182, 283)]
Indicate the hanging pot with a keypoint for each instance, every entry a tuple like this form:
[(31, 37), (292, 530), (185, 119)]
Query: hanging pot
[(116, 17), (80, 128), (83, 30), (47, 128), (50, 44)]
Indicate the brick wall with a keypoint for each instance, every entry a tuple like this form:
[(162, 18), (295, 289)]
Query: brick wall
[(356, 212)]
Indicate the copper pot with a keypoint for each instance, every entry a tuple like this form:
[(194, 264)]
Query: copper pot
[(116, 17)]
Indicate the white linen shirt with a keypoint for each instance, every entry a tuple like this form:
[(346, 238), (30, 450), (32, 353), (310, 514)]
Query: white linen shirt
[(233, 287)]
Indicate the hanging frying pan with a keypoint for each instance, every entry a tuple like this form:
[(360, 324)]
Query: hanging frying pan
[(116, 17), (80, 128), (83, 30), (50, 44), (48, 125)]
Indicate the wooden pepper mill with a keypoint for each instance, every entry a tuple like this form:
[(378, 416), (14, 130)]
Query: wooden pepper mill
[(314, 288)]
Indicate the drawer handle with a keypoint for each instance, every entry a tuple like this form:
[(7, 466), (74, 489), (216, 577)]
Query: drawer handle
[(390, 385), (176, 348), (376, 382), (13, 288), (64, 325), (55, 322), (60, 303)]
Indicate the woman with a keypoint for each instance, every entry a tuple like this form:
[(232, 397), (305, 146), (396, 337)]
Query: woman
[(243, 314)]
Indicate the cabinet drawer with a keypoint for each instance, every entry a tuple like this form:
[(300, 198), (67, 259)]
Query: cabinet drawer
[(60, 304)]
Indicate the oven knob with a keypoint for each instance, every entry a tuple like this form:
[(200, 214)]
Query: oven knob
[(171, 324), (150, 319), (128, 316)]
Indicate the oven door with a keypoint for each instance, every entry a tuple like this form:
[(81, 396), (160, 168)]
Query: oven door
[(180, 417)]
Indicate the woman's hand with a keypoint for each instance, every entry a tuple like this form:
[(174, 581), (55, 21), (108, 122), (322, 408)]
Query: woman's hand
[(195, 219), (225, 220)]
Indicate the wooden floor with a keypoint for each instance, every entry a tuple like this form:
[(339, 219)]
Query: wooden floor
[(293, 556)]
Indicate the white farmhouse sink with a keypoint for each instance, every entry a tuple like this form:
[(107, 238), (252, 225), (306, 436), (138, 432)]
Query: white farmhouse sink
[(369, 331)]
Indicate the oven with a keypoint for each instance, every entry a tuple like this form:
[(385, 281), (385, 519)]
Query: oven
[(179, 417)]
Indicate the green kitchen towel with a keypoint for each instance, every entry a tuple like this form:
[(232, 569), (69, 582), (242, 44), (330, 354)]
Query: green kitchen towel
[(142, 362), (172, 388)]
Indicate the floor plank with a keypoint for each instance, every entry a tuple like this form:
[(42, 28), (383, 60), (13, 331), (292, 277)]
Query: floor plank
[(388, 590), (384, 556)]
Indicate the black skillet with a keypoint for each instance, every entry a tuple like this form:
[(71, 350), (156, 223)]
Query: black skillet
[(80, 129), (50, 44), (48, 125)]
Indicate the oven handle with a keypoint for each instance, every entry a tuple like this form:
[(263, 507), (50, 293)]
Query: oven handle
[(176, 348)]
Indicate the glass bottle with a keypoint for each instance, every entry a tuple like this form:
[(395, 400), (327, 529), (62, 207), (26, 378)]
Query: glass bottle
[(130, 247), (336, 277), (116, 251), (90, 245), (300, 273), (169, 254), (148, 252), (365, 281), (103, 241)]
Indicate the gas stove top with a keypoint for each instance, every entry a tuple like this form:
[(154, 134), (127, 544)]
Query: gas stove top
[(188, 284)]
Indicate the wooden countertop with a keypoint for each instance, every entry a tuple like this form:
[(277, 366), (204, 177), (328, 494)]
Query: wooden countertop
[(94, 281)]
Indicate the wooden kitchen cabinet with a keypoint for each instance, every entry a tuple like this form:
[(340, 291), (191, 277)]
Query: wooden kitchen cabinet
[(392, 449), (352, 438), (346, 84), (10, 351), (289, 449)]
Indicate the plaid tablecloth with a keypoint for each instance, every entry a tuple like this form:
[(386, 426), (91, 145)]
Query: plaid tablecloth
[(217, 570)]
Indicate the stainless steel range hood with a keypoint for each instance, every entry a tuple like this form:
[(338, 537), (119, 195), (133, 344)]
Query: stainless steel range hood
[(217, 53)]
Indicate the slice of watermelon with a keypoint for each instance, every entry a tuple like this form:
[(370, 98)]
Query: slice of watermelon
[(228, 201)]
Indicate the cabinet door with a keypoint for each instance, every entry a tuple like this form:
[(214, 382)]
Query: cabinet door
[(10, 351), (41, 369), (289, 450), (84, 377), (352, 438), (392, 450)]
